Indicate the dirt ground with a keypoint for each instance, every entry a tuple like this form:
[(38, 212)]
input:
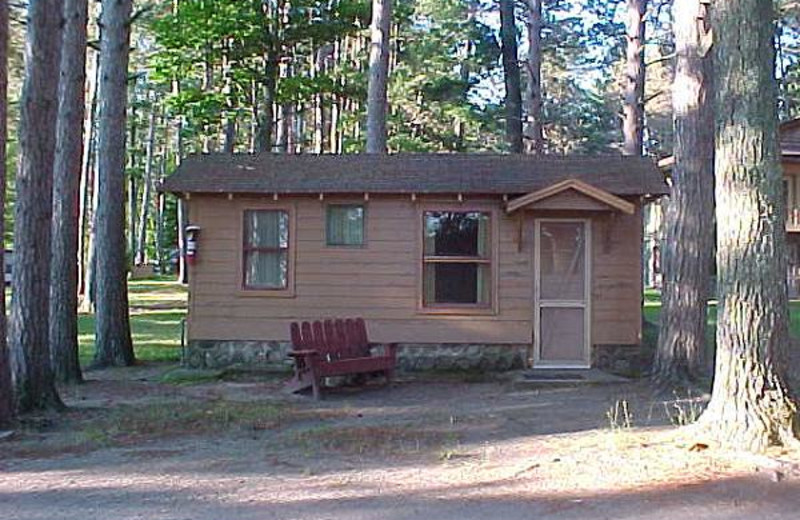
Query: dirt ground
[(135, 446)]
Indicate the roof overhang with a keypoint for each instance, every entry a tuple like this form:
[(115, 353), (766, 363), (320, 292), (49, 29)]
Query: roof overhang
[(606, 199)]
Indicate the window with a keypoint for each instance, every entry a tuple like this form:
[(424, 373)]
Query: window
[(456, 259), (344, 225), (266, 250)]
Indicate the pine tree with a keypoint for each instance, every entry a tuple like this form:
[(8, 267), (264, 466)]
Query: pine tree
[(6, 391), (29, 323), (113, 345), (378, 76), (66, 187), (751, 405)]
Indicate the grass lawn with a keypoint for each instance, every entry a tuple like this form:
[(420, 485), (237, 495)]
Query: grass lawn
[(157, 308), (652, 309)]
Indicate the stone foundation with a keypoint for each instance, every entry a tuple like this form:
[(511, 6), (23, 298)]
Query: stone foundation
[(414, 357), (214, 354), (625, 360), (628, 360), (411, 357)]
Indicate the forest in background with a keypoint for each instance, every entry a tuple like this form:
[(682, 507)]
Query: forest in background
[(291, 77)]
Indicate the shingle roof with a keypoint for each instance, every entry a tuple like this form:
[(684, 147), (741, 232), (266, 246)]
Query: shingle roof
[(409, 173)]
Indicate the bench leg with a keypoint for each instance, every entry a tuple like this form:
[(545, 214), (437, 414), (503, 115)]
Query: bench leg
[(316, 387)]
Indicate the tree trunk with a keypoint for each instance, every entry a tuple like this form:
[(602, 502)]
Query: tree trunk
[(144, 212), (132, 193), (533, 94), (162, 200), (689, 217), (33, 212), (336, 107), (633, 102), (6, 391), (317, 67), (113, 345), (183, 273), (66, 192), (133, 160), (378, 76), (252, 143), (265, 123), (751, 405), (229, 114), (87, 183), (513, 97), (90, 289)]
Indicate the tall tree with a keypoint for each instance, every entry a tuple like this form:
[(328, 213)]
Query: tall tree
[(751, 405), (6, 391), (686, 269), (147, 183), (633, 101), (533, 92), (113, 345), (88, 192), (66, 188), (513, 96), (29, 329), (378, 76)]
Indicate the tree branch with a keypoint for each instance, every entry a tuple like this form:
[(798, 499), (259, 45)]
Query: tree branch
[(665, 57)]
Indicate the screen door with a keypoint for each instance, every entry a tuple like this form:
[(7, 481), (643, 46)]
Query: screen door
[(561, 306)]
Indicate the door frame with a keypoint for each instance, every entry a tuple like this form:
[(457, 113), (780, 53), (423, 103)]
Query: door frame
[(586, 304)]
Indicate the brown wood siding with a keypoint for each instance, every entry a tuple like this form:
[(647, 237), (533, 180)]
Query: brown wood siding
[(791, 174), (380, 281), (617, 278)]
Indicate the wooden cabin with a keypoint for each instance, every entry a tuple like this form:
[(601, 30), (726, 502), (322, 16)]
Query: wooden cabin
[(485, 262), (790, 160)]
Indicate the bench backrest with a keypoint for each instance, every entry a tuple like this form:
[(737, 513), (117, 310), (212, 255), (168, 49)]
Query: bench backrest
[(333, 339)]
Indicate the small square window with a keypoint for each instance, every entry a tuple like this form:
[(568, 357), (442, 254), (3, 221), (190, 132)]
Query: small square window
[(344, 225)]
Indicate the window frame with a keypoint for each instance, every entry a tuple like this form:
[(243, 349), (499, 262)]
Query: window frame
[(260, 291), (355, 203), (488, 308)]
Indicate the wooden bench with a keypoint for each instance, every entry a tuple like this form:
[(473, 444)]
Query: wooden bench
[(335, 348)]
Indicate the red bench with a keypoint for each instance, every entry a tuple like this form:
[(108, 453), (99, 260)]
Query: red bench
[(335, 348)]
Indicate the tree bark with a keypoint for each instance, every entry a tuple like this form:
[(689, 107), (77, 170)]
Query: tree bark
[(183, 273), (229, 114), (162, 201), (6, 389), (33, 212), (133, 156), (317, 67), (266, 116), (66, 192), (513, 96), (533, 93), (85, 236), (690, 215), (751, 404), (147, 184), (378, 76), (633, 100), (113, 345)]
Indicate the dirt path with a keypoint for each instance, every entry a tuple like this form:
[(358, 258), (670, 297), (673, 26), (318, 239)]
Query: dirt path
[(136, 448)]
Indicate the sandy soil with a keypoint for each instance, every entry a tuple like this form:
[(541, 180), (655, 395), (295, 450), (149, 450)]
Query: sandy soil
[(132, 447)]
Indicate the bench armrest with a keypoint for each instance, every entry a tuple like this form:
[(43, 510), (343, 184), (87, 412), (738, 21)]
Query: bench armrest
[(303, 353)]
